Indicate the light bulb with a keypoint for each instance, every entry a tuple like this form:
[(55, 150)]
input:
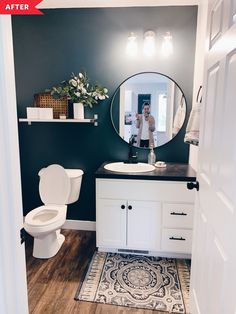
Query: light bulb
[(149, 45), (167, 46), (132, 47)]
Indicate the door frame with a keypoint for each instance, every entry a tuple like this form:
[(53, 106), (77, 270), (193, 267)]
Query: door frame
[(13, 286), (13, 283)]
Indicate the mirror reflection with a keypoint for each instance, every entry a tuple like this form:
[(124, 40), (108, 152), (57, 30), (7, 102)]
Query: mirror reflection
[(148, 109)]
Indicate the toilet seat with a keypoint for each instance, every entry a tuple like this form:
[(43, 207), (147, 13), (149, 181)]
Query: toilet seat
[(54, 190), (46, 215), (45, 223)]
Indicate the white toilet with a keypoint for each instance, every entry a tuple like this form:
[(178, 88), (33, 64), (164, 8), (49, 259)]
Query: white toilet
[(57, 187)]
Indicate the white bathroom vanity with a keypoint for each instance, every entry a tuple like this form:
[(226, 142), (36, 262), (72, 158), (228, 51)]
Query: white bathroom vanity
[(147, 213)]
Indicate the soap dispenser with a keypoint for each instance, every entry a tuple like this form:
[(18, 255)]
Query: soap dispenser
[(151, 156)]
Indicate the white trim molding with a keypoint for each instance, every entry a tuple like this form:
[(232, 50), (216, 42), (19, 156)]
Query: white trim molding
[(198, 67), (53, 4), (13, 285), (80, 225)]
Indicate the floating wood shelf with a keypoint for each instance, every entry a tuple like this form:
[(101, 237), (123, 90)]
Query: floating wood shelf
[(94, 120)]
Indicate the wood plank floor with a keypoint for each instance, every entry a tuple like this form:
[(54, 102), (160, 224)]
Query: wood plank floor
[(52, 283)]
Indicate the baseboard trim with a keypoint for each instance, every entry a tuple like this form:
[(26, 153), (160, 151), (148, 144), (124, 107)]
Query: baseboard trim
[(79, 225)]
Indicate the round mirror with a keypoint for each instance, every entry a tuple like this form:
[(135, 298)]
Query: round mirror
[(148, 109)]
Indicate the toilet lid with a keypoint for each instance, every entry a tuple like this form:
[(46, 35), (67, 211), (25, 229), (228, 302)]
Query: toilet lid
[(54, 185)]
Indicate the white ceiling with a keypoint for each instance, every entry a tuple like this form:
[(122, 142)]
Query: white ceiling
[(52, 4)]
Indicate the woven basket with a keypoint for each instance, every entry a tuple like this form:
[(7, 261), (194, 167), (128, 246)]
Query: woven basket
[(46, 100)]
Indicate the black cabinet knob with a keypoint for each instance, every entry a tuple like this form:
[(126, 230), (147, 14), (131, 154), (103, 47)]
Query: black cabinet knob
[(122, 207), (193, 185), (129, 207)]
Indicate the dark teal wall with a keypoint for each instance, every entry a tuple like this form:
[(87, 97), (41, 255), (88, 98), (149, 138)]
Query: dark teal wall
[(48, 48)]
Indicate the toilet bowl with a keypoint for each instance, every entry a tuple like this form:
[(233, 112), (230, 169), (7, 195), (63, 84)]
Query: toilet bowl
[(57, 188)]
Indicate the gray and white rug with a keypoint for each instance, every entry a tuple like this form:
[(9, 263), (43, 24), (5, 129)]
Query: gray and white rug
[(137, 281)]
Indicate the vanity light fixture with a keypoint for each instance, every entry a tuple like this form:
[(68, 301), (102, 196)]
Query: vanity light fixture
[(167, 46), (149, 44), (132, 46)]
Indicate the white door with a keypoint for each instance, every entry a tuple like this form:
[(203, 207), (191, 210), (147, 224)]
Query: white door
[(111, 223), (144, 225), (213, 274), (13, 288)]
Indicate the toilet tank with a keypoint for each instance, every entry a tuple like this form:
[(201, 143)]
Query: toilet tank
[(75, 176)]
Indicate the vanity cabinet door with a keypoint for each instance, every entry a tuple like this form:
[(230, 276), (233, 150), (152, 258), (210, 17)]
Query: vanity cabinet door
[(111, 223), (143, 225)]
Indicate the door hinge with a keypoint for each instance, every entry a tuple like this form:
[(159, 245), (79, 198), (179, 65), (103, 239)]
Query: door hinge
[(22, 235)]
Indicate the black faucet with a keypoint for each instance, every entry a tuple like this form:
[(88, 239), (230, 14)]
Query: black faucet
[(133, 158)]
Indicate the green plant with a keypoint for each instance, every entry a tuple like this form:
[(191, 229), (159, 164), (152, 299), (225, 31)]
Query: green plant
[(79, 89)]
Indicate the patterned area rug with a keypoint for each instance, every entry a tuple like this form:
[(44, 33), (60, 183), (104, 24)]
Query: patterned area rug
[(137, 281)]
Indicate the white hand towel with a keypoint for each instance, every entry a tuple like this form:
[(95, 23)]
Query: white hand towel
[(192, 130), (179, 116)]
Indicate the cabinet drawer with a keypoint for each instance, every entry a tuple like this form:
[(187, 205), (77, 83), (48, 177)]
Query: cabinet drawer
[(176, 240), (144, 190), (177, 215)]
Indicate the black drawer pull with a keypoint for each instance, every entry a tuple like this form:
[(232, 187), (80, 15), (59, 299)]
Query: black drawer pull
[(178, 214), (129, 207), (122, 207), (178, 239)]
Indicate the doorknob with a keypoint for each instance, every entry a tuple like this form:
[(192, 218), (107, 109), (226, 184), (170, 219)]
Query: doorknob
[(193, 185)]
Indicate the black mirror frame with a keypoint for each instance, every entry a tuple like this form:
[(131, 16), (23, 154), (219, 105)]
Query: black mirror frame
[(146, 72)]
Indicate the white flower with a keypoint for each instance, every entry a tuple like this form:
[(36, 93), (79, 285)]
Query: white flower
[(105, 90), (73, 82), (81, 75), (101, 97), (77, 94), (83, 90)]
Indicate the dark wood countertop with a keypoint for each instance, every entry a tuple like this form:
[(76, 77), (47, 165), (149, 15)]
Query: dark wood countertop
[(172, 172)]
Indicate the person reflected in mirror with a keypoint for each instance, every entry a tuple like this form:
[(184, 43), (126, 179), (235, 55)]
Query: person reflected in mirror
[(145, 122)]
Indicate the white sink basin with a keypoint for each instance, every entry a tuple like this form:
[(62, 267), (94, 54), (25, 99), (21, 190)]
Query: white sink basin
[(123, 167)]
